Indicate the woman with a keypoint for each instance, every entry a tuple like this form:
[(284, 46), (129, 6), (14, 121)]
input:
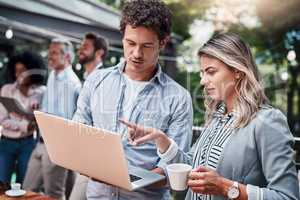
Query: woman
[(245, 149), (17, 142)]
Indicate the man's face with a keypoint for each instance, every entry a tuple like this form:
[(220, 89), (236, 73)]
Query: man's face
[(86, 52), (141, 48), (56, 57)]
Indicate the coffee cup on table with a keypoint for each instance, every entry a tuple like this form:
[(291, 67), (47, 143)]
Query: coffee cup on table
[(15, 186), (178, 175)]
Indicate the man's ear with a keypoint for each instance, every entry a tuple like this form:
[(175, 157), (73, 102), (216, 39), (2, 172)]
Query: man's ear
[(68, 58), (163, 42), (99, 53)]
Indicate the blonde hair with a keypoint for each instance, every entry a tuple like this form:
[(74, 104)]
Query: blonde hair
[(235, 53)]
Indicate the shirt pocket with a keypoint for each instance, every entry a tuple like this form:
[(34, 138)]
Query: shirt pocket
[(153, 119)]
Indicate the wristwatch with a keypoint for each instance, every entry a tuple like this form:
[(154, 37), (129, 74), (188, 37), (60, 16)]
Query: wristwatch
[(233, 191)]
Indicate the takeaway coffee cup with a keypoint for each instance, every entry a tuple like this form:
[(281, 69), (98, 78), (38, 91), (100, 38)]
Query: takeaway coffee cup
[(178, 175)]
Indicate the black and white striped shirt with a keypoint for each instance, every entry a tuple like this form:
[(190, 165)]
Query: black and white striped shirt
[(211, 143)]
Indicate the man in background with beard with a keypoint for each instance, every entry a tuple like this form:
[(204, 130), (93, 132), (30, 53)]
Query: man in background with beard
[(91, 54)]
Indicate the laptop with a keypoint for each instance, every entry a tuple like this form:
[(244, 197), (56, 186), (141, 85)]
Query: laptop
[(91, 151)]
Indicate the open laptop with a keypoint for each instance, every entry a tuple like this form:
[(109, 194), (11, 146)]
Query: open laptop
[(91, 151)]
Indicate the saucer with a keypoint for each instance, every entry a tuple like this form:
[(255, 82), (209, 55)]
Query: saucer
[(15, 193)]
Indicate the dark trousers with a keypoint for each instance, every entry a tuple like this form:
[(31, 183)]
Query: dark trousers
[(14, 155)]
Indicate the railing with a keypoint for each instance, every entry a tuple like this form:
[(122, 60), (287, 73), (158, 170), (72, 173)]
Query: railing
[(297, 150)]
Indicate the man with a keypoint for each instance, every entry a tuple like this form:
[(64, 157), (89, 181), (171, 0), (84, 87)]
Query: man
[(60, 99), (138, 90), (91, 53)]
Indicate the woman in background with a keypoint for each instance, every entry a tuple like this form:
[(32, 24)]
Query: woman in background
[(27, 71), (245, 150)]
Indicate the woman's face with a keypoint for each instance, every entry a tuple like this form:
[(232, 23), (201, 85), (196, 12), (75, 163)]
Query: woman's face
[(21, 74), (217, 78), (19, 69)]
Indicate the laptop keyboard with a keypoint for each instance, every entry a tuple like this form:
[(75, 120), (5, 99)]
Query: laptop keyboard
[(134, 178)]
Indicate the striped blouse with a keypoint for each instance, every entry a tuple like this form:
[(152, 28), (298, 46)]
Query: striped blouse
[(268, 140), (211, 143)]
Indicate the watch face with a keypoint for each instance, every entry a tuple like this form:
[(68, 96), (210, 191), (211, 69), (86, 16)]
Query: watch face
[(233, 193)]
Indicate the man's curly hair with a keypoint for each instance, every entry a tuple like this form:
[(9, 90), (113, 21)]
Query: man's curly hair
[(152, 14)]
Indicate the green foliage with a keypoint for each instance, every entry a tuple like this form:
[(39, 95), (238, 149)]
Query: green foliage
[(191, 81), (279, 33), (184, 12)]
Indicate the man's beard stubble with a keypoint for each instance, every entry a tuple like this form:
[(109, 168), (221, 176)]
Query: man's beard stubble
[(87, 59)]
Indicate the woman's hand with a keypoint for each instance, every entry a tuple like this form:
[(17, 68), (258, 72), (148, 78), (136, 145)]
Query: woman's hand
[(206, 181), (140, 135), (5, 124), (10, 124)]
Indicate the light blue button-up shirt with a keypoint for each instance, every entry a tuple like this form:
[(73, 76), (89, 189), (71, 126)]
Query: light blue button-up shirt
[(162, 104), (62, 93)]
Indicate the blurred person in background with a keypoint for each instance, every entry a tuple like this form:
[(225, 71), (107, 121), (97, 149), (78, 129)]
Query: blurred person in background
[(245, 150), (27, 71), (91, 54), (63, 87)]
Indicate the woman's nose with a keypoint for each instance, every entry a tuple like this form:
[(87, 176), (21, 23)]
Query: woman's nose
[(203, 80)]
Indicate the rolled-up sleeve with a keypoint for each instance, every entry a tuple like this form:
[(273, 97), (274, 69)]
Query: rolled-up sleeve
[(274, 143), (170, 153), (180, 126), (176, 155)]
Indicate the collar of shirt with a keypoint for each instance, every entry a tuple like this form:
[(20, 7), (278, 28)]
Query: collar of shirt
[(99, 65), (86, 74), (62, 74), (158, 75), (221, 110)]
